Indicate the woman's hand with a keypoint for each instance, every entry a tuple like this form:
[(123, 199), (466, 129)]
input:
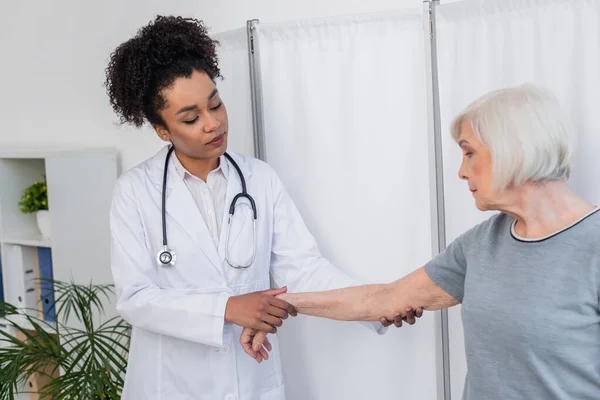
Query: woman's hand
[(408, 318), (259, 310)]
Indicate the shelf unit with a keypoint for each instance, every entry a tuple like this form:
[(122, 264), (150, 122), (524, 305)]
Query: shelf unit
[(80, 182)]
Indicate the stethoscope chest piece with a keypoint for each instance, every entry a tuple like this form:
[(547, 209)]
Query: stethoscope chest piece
[(166, 257)]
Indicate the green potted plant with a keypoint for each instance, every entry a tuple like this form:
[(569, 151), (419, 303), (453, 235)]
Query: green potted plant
[(35, 200), (83, 359)]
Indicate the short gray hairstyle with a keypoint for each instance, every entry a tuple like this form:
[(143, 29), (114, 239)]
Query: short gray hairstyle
[(529, 136)]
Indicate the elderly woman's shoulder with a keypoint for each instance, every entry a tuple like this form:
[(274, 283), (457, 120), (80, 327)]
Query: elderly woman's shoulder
[(494, 225), (497, 221), (588, 227)]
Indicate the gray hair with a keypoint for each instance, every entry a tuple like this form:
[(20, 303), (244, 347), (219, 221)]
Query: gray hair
[(529, 136)]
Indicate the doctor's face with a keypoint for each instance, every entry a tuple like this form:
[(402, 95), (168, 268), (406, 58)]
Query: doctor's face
[(195, 117)]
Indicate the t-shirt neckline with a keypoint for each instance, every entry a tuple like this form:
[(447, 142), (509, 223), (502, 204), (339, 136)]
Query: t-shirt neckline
[(540, 239)]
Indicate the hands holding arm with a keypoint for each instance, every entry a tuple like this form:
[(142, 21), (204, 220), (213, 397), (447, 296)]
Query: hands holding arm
[(395, 302), (256, 344)]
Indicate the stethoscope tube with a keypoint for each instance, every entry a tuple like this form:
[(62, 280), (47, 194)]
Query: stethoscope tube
[(244, 192), (166, 257), (164, 197)]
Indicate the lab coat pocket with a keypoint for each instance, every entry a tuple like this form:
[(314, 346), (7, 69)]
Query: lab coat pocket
[(188, 367), (242, 241)]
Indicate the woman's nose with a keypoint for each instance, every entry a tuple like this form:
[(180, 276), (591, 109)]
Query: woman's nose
[(462, 172), (210, 123)]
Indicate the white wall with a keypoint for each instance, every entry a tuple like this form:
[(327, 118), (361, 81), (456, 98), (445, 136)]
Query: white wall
[(54, 54)]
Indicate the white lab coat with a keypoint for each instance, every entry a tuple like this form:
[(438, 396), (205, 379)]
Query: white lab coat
[(181, 349)]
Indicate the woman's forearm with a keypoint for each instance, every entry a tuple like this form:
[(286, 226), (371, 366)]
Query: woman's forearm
[(372, 302), (360, 303)]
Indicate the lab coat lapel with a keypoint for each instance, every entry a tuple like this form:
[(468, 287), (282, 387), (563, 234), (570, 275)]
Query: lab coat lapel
[(234, 186), (182, 209)]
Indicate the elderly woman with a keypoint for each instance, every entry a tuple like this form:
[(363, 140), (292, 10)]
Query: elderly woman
[(528, 278)]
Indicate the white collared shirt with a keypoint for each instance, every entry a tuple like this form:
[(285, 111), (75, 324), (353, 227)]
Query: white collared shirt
[(210, 195)]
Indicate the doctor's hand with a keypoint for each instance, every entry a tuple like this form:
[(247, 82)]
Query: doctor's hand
[(259, 310), (409, 318), (256, 344)]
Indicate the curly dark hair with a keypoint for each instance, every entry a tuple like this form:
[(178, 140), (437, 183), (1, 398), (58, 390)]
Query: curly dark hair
[(166, 49)]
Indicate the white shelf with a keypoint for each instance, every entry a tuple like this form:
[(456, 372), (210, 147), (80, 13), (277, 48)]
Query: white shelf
[(25, 240), (80, 183)]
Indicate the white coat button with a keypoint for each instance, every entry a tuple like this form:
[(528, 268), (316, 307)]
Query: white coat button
[(224, 350), (230, 397)]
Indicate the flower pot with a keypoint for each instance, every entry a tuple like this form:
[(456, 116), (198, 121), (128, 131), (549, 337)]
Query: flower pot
[(43, 222)]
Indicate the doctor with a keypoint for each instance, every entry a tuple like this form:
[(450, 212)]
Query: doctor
[(197, 232)]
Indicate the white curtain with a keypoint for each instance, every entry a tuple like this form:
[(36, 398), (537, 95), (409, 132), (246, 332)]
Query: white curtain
[(486, 45), (235, 89), (345, 125)]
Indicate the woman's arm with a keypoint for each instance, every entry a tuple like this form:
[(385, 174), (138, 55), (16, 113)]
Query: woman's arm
[(360, 303), (372, 302)]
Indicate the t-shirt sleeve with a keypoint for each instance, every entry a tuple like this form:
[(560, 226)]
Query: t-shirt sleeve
[(449, 268)]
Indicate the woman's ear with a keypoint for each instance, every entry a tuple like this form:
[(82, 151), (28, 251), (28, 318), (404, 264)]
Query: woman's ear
[(162, 132)]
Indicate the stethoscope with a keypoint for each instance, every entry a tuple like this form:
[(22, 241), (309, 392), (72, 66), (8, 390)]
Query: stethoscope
[(166, 256)]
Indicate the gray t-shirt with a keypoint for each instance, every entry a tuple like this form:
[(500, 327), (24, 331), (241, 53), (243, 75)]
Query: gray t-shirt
[(530, 309)]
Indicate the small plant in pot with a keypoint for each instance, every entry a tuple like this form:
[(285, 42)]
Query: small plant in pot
[(35, 200)]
